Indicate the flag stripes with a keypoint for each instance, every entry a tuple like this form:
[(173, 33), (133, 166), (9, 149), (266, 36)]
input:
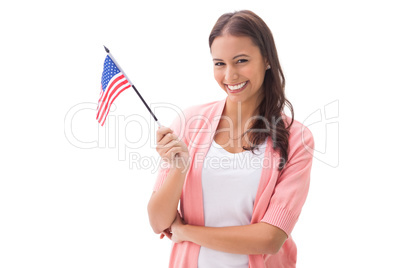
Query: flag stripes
[(117, 84)]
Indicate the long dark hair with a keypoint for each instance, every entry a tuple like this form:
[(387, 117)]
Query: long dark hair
[(270, 121)]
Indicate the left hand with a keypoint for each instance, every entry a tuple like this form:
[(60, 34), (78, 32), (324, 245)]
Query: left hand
[(175, 233)]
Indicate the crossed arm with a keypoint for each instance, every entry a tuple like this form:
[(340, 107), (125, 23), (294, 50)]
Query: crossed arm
[(258, 238)]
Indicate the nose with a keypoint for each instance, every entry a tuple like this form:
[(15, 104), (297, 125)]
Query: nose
[(231, 74)]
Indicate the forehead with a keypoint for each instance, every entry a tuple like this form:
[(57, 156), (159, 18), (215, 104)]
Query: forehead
[(228, 46)]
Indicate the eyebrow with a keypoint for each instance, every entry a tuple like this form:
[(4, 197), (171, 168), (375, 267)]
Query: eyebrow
[(235, 57)]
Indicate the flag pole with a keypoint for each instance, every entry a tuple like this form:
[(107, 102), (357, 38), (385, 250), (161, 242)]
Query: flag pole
[(128, 79)]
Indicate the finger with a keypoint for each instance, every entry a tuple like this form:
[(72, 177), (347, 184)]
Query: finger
[(171, 154), (168, 235), (166, 144), (168, 138), (164, 151), (169, 144), (161, 132)]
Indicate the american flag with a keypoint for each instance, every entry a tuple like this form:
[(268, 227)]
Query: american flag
[(113, 83)]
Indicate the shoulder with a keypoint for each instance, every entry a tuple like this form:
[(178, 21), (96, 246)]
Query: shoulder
[(196, 112), (196, 116), (300, 138), (205, 109)]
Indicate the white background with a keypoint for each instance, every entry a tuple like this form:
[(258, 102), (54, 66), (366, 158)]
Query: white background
[(65, 206)]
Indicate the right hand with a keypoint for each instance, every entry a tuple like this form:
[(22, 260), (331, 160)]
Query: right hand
[(171, 149)]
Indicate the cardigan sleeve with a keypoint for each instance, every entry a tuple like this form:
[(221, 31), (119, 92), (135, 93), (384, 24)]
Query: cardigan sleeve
[(292, 185)]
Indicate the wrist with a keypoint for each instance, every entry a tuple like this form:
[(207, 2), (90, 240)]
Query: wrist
[(179, 170), (180, 163), (185, 231)]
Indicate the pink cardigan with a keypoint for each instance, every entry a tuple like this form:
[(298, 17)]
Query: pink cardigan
[(280, 195)]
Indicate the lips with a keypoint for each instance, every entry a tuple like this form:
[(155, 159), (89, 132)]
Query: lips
[(236, 87)]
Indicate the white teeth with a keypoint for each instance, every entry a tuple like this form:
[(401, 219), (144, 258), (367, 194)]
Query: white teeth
[(237, 86)]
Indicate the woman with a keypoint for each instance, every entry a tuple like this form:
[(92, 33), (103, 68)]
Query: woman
[(233, 213)]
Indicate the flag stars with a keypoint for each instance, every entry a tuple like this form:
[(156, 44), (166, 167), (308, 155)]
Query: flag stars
[(109, 70)]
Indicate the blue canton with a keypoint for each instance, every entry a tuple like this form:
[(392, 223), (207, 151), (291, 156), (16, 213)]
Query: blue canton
[(109, 70)]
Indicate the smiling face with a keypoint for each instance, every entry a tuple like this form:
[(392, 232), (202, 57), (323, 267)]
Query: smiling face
[(239, 68)]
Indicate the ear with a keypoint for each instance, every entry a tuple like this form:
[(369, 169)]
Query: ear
[(267, 65)]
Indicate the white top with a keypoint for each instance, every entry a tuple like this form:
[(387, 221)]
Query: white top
[(229, 185)]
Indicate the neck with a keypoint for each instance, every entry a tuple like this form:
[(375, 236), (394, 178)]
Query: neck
[(240, 113)]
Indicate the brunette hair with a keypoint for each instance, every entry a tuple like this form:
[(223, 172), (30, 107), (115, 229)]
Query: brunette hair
[(270, 110)]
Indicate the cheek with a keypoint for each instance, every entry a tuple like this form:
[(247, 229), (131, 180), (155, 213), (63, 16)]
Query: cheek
[(219, 79), (258, 75), (218, 76)]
